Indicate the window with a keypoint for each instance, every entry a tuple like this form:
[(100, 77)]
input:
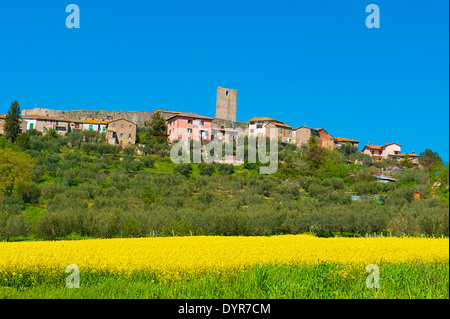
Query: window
[(189, 121), (129, 135), (121, 134), (121, 126), (170, 131), (31, 126), (226, 93), (259, 126), (281, 130), (202, 123), (189, 130), (104, 128), (195, 126), (114, 124), (91, 128), (129, 127), (290, 132)]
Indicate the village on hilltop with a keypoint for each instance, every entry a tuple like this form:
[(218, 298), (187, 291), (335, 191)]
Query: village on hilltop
[(120, 127)]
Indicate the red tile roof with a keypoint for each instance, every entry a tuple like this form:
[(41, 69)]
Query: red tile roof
[(190, 115)]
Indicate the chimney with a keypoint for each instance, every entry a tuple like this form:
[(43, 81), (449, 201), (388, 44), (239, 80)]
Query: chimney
[(413, 153), (371, 143), (386, 142)]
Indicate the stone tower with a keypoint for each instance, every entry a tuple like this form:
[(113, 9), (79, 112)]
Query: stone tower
[(226, 104)]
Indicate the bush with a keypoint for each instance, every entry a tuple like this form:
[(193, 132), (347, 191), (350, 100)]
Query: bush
[(148, 195), (225, 169), (206, 169), (184, 169)]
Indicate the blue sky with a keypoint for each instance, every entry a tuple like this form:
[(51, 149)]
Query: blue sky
[(311, 61)]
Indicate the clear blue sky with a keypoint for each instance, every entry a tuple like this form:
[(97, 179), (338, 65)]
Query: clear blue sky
[(310, 61)]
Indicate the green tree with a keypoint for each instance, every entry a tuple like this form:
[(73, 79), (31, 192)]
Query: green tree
[(406, 162), (429, 159), (12, 122), (347, 149), (158, 124), (75, 138), (315, 155), (12, 221), (23, 141), (206, 169), (52, 133), (15, 169), (184, 169), (148, 195)]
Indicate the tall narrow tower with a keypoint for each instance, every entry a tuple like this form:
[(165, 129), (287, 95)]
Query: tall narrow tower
[(226, 104)]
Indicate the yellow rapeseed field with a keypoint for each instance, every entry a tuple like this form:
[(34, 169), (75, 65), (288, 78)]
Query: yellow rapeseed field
[(204, 253)]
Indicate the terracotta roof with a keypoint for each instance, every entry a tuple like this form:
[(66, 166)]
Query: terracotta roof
[(195, 116), (412, 155), (282, 125), (343, 139), (320, 129), (295, 129), (393, 143), (40, 117), (95, 122), (374, 147), (166, 111), (270, 120), (263, 119)]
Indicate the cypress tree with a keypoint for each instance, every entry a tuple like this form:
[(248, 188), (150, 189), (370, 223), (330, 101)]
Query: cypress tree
[(12, 122)]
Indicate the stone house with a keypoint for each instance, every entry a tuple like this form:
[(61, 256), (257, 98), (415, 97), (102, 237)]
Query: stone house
[(260, 126), (304, 133), (380, 152), (121, 132), (45, 123), (325, 139)]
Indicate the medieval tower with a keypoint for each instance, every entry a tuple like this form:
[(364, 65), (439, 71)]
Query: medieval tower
[(226, 104)]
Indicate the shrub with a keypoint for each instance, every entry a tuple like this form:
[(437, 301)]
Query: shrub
[(206, 169), (225, 169), (184, 169), (148, 195)]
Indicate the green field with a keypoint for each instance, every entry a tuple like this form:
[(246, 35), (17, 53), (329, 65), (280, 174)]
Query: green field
[(404, 281)]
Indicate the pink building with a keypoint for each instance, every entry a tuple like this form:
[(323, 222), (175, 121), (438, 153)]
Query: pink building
[(190, 127)]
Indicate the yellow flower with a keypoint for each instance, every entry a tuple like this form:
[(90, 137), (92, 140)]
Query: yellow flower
[(172, 257)]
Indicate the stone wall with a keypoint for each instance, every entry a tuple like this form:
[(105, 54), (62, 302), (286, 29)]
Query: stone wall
[(138, 117)]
